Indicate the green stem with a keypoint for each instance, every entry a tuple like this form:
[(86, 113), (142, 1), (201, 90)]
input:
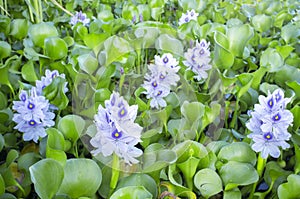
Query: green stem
[(233, 122), (115, 174), (260, 169), (37, 13), (2, 8), (122, 79), (61, 7), (40, 10)]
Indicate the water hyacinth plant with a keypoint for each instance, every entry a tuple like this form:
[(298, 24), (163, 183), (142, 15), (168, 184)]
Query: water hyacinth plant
[(116, 131), (149, 99), (269, 123)]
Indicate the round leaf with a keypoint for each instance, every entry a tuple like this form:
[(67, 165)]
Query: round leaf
[(238, 151), (132, 192), (208, 182), (55, 48), (39, 32), (71, 126), (82, 178), (5, 49), (46, 175), (290, 189)]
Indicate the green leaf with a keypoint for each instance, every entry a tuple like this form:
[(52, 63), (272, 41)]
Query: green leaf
[(262, 22), (238, 151), (132, 192), (55, 146), (168, 43), (39, 32), (297, 158), (232, 194), (55, 48), (296, 112), (290, 32), (2, 185), (5, 50), (92, 40), (139, 179), (238, 37), (71, 126), (3, 101), (28, 72), (43, 172), (11, 157), (82, 178), (223, 58), (2, 142), (189, 148), (274, 173), (244, 174), (286, 74), (271, 59), (192, 111), (295, 86), (88, 63), (188, 169), (55, 93), (208, 182), (290, 189), (19, 28)]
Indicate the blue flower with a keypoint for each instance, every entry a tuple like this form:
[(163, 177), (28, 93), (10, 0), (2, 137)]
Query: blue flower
[(267, 144), (269, 123), (80, 17), (198, 59), (163, 75), (188, 16), (33, 115), (116, 131), (46, 80)]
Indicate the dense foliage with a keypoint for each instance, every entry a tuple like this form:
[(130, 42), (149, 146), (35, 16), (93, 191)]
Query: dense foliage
[(149, 99)]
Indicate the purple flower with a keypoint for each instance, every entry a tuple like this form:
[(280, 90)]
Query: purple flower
[(269, 123), (188, 16), (267, 144), (46, 80), (116, 131), (33, 115), (79, 17), (163, 75), (198, 59)]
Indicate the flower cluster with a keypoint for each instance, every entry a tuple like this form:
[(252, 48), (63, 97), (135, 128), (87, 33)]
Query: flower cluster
[(79, 17), (34, 111), (46, 80), (188, 16), (32, 115), (116, 131), (198, 59), (163, 75), (269, 123)]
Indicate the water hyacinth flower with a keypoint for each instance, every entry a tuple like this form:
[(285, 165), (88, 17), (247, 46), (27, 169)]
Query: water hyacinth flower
[(33, 115), (163, 75), (116, 131), (47, 79), (188, 16), (198, 59), (269, 123), (79, 17)]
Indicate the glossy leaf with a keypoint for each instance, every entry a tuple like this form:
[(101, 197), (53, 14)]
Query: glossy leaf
[(28, 72), (208, 182), (244, 174), (139, 180), (71, 126), (55, 146), (82, 178), (133, 192), (39, 32), (238, 151), (168, 43), (55, 48), (19, 28), (5, 49), (290, 189), (223, 58), (43, 172)]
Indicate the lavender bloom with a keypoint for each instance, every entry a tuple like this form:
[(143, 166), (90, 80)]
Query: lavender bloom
[(198, 59), (163, 75), (269, 123), (46, 80), (267, 144), (116, 131), (79, 17), (188, 16), (33, 115)]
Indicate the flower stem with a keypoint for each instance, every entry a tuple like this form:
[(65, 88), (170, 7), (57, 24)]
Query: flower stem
[(261, 162), (115, 173)]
